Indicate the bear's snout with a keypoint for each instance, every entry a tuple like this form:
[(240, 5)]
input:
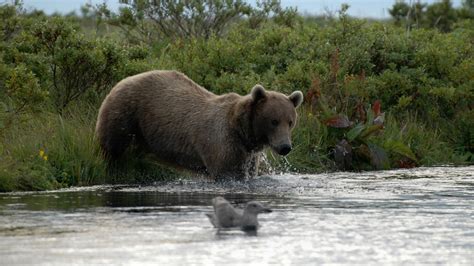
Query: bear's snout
[(284, 149)]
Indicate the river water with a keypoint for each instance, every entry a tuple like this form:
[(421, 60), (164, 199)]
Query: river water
[(422, 215)]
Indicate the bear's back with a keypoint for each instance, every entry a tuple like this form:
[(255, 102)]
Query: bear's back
[(162, 82)]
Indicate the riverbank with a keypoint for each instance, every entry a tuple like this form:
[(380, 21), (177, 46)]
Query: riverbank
[(377, 96)]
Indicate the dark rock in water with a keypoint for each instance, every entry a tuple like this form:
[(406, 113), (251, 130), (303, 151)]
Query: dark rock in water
[(226, 216), (343, 155)]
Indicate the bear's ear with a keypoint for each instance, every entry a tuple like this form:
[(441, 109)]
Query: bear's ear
[(296, 98), (258, 92)]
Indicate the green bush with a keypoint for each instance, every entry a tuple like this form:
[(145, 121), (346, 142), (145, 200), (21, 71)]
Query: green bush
[(378, 95), (440, 15), (20, 93), (152, 21), (76, 64)]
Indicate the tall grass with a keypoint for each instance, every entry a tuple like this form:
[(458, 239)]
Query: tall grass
[(429, 144), (51, 151), (60, 150), (310, 148)]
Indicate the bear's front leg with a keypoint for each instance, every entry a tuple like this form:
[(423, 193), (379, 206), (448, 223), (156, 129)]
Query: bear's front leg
[(226, 167), (237, 170), (231, 164), (253, 164), (226, 172)]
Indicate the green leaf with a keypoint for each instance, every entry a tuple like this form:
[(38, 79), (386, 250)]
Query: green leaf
[(404, 101), (370, 116), (447, 93), (355, 132), (378, 157), (400, 148), (371, 130)]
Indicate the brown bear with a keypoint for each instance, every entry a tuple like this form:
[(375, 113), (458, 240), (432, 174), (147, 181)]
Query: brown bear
[(183, 124)]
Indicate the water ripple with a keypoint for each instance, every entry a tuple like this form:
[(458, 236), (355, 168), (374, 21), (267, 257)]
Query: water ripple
[(415, 216)]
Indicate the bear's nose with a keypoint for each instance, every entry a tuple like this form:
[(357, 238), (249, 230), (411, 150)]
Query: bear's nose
[(284, 149)]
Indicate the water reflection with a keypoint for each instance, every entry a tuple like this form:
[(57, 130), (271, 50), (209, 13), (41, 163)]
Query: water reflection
[(393, 217), (226, 233)]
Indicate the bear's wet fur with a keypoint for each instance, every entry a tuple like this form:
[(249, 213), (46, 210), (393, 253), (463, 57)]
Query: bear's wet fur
[(183, 124)]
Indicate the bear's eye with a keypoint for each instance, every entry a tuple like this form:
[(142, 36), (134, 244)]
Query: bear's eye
[(275, 122), (291, 123)]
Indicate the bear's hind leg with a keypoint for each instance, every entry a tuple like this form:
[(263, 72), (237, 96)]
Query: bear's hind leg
[(116, 141)]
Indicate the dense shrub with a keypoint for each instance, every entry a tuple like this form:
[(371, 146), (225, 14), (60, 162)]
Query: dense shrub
[(152, 21), (377, 95)]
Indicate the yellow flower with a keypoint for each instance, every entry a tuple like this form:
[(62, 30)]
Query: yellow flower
[(43, 155)]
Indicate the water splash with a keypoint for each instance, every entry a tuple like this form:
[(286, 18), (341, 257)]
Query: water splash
[(265, 165), (330, 218)]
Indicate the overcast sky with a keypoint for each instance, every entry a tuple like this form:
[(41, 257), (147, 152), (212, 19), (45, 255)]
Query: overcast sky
[(359, 8)]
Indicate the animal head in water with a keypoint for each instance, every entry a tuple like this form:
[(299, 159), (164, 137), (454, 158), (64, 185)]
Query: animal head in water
[(256, 207), (273, 117)]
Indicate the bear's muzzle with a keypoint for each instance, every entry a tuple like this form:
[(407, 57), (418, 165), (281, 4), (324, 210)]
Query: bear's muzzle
[(284, 149)]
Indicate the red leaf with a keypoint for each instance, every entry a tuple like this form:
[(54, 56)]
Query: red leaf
[(406, 163), (360, 113), (376, 108), (338, 121)]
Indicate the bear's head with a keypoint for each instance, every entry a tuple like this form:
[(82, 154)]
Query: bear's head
[(273, 117)]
